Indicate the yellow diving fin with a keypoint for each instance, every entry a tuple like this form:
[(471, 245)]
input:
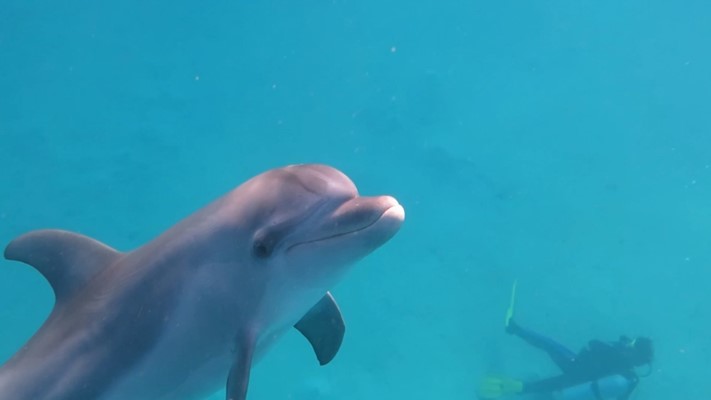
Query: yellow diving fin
[(512, 304), (494, 387)]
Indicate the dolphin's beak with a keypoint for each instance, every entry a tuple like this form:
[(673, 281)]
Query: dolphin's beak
[(379, 216), (395, 211)]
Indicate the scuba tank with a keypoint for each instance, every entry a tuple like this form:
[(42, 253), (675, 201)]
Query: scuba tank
[(607, 388)]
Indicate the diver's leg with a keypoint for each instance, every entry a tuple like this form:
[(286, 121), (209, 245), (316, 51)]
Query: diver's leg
[(561, 355), (548, 385)]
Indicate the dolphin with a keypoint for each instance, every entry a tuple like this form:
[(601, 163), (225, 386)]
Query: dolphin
[(191, 311)]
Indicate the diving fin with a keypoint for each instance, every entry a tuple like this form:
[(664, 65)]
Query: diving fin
[(512, 304), (494, 387)]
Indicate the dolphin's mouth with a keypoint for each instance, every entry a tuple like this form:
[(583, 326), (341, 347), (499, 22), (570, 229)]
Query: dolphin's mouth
[(389, 210)]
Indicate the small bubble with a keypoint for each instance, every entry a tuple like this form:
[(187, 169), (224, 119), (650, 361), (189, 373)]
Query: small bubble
[(197, 77), (393, 49)]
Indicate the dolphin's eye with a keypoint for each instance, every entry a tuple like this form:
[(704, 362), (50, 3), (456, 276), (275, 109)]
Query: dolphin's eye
[(267, 239), (262, 249), (264, 243)]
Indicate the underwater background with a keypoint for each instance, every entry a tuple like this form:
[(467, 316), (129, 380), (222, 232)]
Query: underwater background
[(562, 144)]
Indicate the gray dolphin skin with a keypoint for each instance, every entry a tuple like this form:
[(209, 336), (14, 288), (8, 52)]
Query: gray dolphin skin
[(191, 311)]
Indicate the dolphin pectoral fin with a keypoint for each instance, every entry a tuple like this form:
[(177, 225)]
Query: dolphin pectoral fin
[(66, 259), (324, 328), (238, 379)]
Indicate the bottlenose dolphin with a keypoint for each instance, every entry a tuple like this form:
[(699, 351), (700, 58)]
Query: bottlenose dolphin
[(191, 311)]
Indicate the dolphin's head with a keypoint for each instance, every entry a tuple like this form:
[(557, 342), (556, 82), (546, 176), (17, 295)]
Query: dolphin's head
[(305, 225)]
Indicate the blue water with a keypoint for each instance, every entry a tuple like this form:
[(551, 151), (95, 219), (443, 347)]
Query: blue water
[(564, 144)]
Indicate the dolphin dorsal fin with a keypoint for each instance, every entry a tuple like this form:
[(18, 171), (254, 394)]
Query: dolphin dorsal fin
[(66, 259)]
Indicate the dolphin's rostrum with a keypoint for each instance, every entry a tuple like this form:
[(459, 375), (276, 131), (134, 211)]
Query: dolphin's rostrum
[(192, 310)]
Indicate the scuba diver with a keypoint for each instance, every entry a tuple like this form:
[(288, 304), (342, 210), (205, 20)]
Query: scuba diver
[(601, 371)]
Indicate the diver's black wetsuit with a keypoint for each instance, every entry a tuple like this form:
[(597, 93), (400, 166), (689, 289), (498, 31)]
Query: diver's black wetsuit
[(597, 360)]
